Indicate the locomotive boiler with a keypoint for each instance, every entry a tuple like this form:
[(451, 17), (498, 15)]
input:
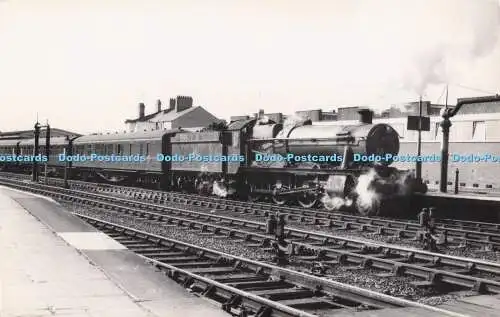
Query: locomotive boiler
[(307, 175), (365, 139)]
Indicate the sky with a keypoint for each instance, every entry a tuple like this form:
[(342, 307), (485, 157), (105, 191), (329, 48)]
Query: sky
[(84, 65)]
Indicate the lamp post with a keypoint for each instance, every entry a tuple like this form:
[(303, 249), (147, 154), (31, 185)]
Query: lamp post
[(35, 153), (66, 163), (36, 150)]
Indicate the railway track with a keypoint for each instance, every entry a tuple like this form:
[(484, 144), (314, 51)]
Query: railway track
[(456, 233), (245, 287), (430, 269)]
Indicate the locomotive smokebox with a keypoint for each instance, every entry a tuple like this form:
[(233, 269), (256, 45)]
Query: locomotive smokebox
[(365, 116)]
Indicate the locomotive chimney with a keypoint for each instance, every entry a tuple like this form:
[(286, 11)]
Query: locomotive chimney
[(365, 116), (158, 103), (142, 109)]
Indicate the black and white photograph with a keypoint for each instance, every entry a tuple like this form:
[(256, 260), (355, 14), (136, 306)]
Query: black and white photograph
[(265, 158)]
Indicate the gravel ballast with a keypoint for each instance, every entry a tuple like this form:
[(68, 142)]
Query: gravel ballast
[(364, 278)]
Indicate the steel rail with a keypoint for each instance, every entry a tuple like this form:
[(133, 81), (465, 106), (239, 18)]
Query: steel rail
[(299, 278), (472, 233), (323, 244), (457, 234)]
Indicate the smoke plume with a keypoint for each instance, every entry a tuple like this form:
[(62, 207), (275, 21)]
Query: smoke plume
[(292, 120), (264, 120), (466, 31)]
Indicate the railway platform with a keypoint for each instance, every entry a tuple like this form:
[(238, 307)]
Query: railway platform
[(54, 264), (474, 206)]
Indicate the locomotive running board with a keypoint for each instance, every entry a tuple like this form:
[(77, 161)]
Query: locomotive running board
[(302, 171)]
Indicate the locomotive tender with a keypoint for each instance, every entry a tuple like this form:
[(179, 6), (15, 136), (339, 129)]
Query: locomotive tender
[(334, 183)]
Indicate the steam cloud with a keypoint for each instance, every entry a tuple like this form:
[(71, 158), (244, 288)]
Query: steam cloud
[(474, 27), (370, 189), (368, 198), (292, 120), (428, 43), (219, 189)]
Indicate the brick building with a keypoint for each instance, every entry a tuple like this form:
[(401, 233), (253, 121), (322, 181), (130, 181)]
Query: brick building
[(179, 114), (351, 113)]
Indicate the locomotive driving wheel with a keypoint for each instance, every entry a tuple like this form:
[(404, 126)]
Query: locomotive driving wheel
[(307, 199), (277, 198), (252, 195)]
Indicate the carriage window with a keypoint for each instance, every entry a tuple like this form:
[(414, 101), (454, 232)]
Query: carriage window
[(130, 149), (141, 148), (478, 130), (147, 149), (119, 149)]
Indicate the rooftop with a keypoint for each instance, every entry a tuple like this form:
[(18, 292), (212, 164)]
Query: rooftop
[(163, 115)]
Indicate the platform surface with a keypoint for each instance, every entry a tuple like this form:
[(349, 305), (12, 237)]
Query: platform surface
[(488, 196), (54, 264)]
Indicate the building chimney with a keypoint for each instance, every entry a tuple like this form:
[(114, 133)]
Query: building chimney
[(365, 116), (171, 105), (184, 102), (142, 109), (261, 113), (315, 115), (158, 103)]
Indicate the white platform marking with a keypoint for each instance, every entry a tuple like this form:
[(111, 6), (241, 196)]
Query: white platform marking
[(5, 190), (90, 241)]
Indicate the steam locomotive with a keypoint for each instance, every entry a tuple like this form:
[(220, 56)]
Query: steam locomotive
[(334, 167)]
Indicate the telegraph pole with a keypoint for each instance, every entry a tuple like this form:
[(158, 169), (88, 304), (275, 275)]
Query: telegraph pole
[(419, 142)]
